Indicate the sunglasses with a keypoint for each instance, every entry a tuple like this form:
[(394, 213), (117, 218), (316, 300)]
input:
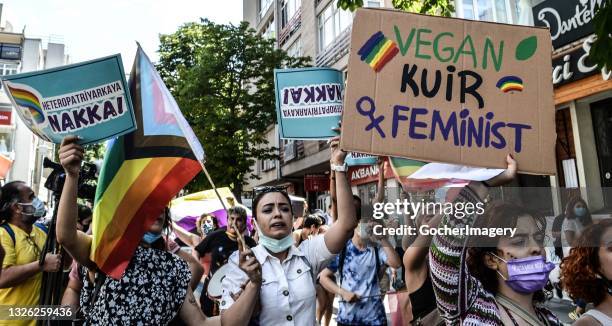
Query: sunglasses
[(266, 189)]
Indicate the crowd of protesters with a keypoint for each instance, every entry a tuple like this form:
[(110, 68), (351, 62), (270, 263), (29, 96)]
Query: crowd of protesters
[(289, 271)]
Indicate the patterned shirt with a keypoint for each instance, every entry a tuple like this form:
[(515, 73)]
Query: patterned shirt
[(462, 299), (361, 277), (150, 292)]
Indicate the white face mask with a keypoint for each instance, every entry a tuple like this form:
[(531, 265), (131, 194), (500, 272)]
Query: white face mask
[(274, 245)]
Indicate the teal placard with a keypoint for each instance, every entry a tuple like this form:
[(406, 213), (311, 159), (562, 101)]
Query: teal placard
[(89, 99), (354, 158), (308, 102)]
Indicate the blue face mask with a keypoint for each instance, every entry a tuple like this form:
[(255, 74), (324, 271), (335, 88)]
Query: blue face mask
[(274, 245), (580, 211), (38, 208), (151, 237)]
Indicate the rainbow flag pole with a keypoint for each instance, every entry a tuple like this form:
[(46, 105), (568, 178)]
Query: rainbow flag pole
[(233, 225)]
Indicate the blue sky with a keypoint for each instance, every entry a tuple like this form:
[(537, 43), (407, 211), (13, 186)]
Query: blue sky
[(92, 29)]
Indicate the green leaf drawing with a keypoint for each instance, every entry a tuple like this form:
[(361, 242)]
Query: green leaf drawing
[(526, 48)]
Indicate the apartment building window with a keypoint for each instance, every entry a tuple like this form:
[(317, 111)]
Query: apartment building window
[(267, 165), (498, 11), (263, 7), (290, 8), (295, 49), (332, 22), (270, 30), (8, 68)]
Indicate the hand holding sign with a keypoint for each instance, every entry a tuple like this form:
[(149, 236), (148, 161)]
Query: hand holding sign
[(71, 155), (249, 264)]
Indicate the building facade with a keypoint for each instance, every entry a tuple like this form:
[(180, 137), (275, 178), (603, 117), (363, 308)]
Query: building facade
[(583, 100), (316, 28), (319, 30)]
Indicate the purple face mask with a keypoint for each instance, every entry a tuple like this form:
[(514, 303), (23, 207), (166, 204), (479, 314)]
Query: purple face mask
[(527, 275)]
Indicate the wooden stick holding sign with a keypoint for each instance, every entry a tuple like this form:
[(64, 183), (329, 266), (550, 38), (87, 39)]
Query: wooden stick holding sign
[(233, 225)]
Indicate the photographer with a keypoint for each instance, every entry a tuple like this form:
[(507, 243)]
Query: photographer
[(23, 241), (154, 287)]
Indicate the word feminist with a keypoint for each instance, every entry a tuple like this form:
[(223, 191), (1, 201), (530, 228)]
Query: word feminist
[(461, 129)]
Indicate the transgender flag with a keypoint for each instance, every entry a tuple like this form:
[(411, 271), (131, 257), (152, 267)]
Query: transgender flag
[(142, 171)]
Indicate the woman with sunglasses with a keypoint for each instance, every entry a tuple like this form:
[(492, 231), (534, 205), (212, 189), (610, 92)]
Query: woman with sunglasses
[(495, 280), (276, 276)]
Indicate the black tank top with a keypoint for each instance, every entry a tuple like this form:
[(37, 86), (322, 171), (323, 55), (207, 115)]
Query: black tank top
[(423, 300)]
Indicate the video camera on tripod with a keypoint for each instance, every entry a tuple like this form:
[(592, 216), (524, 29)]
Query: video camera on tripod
[(87, 179)]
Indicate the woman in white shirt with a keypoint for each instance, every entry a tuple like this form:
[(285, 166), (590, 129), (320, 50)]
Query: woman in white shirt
[(274, 282)]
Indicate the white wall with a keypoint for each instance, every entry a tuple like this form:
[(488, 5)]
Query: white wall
[(55, 55)]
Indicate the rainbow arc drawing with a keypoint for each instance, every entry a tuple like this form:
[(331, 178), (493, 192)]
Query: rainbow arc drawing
[(377, 51)]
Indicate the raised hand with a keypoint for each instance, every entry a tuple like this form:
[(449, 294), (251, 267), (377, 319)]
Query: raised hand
[(249, 264), (71, 155)]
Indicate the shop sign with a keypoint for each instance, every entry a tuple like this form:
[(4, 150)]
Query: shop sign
[(568, 20), (576, 65)]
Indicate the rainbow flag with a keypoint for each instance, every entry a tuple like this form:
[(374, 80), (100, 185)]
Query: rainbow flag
[(29, 100), (404, 168), (142, 170), (377, 51)]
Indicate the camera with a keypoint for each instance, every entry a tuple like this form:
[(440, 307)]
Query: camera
[(87, 179)]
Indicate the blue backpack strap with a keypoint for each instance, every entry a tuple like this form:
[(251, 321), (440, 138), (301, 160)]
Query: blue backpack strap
[(9, 230), (42, 227)]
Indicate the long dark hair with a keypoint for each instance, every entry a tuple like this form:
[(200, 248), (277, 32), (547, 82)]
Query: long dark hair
[(497, 215), (160, 244), (569, 211)]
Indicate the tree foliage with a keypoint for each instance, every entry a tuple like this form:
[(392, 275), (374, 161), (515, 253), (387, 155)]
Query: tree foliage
[(601, 51), (432, 7), (222, 78)]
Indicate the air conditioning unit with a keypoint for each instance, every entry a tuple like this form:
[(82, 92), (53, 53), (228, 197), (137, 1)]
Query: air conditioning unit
[(290, 151)]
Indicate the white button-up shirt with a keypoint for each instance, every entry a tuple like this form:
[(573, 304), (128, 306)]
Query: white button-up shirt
[(287, 294)]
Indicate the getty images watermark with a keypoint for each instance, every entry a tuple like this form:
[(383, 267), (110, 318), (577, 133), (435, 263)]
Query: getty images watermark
[(422, 208)]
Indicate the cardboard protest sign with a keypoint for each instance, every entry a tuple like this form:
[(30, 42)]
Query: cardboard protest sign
[(353, 159), (89, 99), (449, 90), (308, 102)]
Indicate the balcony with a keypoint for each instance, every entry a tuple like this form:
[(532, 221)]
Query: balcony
[(334, 52), (290, 27)]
